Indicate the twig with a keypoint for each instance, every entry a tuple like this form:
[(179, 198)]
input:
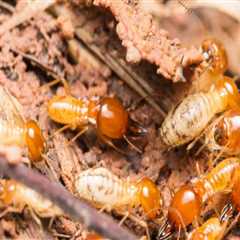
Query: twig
[(43, 66), (231, 8), (27, 13), (75, 208), (7, 6)]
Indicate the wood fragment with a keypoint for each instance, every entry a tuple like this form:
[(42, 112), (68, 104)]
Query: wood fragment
[(144, 40)]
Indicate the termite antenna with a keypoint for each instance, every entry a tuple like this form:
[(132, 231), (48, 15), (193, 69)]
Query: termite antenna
[(132, 145)]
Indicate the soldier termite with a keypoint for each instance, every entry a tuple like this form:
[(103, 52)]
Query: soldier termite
[(189, 118), (107, 115), (105, 190), (14, 130), (15, 196), (187, 202)]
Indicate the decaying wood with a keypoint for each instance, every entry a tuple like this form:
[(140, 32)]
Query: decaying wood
[(144, 40)]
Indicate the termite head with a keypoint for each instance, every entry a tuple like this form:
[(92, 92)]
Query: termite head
[(112, 119), (7, 191), (227, 131), (185, 207), (228, 91), (149, 197), (35, 140), (215, 56)]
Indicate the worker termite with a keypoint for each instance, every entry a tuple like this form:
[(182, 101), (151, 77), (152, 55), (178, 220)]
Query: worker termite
[(16, 196), (107, 115), (192, 196), (105, 190), (223, 134), (214, 228), (14, 130), (189, 118)]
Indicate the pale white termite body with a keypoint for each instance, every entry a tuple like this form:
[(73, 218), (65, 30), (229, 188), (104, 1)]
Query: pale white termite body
[(189, 118), (19, 196), (104, 189)]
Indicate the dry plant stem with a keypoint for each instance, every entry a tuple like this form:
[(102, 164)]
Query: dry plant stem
[(144, 40), (7, 6), (119, 70), (231, 8), (73, 207), (31, 9), (44, 67)]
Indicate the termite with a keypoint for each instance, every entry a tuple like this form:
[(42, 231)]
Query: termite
[(214, 228), (223, 134), (189, 118), (15, 130), (16, 196), (107, 115), (105, 190), (210, 230), (192, 196)]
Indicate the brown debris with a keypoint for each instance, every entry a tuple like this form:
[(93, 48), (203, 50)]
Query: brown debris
[(143, 40)]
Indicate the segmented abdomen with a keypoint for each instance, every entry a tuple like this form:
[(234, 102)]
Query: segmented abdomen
[(188, 119), (104, 189), (211, 229), (220, 179), (68, 110), (28, 197)]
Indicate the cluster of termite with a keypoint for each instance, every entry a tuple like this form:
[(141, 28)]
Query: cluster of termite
[(211, 116)]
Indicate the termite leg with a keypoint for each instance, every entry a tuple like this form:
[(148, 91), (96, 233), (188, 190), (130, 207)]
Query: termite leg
[(219, 155), (11, 209), (82, 131), (60, 130), (111, 144), (56, 81), (124, 218), (140, 222), (35, 217), (45, 158), (51, 223), (132, 145)]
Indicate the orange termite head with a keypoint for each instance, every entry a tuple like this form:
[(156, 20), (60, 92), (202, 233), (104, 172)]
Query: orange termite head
[(7, 191), (35, 140), (185, 207), (149, 197), (227, 131), (228, 91), (215, 55), (112, 118)]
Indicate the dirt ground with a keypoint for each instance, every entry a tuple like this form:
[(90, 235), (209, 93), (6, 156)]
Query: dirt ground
[(87, 44)]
